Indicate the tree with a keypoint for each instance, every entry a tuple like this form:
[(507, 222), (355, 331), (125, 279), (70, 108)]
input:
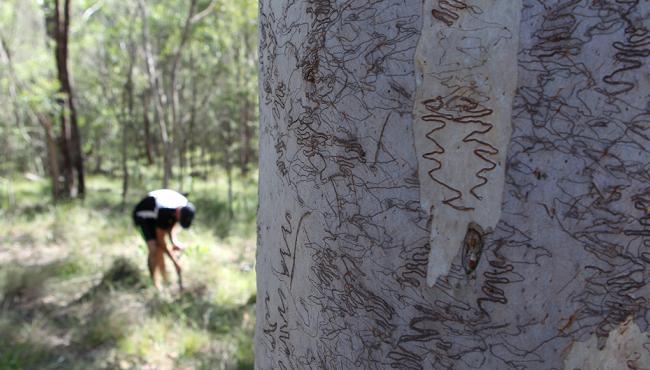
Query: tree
[(167, 103), (146, 79), (73, 163), (453, 184)]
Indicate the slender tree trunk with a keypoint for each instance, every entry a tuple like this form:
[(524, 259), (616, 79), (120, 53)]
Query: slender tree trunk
[(125, 165), (148, 142), (97, 151), (204, 158), (127, 118), (189, 137), (453, 185), (187, 142), (159, 97), (246, 109), (228, 163), (181, 162), (175, 89), (52, 155), (70, 137), (231, 213), (169, 123), (244, 135)]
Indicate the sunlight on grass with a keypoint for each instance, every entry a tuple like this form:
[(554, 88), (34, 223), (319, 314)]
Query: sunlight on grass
[(162, 336), (235, 287)]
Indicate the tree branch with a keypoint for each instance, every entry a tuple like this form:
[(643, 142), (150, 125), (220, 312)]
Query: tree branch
[(205, 12)]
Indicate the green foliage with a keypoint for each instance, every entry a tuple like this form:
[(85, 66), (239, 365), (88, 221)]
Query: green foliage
[(214, 122), (29, 83)]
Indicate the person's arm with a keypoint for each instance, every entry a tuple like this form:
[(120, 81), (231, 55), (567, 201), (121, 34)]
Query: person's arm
[(160, 236), (177, 245)]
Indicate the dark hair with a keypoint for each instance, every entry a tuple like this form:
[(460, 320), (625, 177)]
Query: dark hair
[(187, 215)]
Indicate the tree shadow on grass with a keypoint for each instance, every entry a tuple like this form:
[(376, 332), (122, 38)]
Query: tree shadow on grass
[(24, 285), (31, 330), (123, 274), (20, 351), (36, 333)]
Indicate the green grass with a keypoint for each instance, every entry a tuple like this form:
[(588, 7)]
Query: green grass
[(75, 293)]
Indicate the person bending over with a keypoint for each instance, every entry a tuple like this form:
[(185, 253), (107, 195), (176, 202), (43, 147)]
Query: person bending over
[(157, 216)]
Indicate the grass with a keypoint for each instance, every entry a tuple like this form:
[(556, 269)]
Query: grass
[(75, 293)]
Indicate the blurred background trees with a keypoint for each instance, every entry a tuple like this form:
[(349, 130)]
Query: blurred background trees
[(117, 88), (105, 100)]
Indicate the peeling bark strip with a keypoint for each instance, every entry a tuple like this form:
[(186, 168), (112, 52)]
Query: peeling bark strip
[(466, 66), (626, 347)]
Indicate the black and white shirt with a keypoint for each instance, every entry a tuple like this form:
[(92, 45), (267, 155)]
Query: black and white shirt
[(160, 207)]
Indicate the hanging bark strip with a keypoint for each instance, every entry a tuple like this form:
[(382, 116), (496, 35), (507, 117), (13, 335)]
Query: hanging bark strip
[(462, 115)]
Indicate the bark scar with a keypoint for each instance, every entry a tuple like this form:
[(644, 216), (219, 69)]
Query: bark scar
[(472, 247)]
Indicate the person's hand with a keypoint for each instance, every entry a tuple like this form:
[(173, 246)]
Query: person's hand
[(178, 247)]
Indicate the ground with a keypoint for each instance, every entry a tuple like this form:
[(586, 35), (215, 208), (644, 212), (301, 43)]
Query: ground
[(75, 293)]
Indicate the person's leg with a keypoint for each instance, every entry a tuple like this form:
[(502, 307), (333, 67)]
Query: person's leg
[(163, 249), (149, 233), (152, 262), (160, 261)]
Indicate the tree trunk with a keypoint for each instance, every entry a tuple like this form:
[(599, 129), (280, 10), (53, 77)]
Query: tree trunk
[(167, 111), (231, 213), (127, 117), (99, 158), (52, 155), (125, 162), (159, 97), (70, 138), (175, 91), (204, 159), (453, 184), (227, 141), (244, 135), (246, 115), (147, 131)]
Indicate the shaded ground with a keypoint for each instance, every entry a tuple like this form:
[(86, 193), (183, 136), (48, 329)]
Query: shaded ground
[(74, 292)]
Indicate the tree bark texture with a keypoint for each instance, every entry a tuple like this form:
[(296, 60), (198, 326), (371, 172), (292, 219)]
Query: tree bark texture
[(498, 149), (73, 166), (148, 139)]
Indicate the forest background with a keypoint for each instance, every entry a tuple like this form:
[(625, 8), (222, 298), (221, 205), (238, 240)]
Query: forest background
[(102, 101)]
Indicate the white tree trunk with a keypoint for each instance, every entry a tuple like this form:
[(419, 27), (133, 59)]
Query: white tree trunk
[(498, 150)]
